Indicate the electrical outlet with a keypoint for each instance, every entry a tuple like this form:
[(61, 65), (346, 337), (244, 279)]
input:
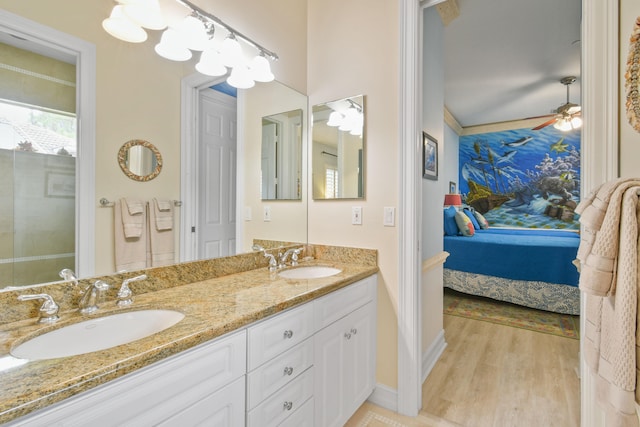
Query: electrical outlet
[(356, 215), (267, 213), (389, 216)]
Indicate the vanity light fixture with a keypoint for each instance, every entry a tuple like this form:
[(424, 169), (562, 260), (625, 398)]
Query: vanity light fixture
[(188, 28), (349, 120)]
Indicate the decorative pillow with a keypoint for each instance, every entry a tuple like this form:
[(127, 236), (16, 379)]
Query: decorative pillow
[(464, 224), (450, 226), (482, 221), (472, 217)]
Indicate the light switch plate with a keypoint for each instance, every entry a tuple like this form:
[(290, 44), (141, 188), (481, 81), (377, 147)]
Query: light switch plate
[(266, 213), (247, 213), (356, 215), (389, 216)]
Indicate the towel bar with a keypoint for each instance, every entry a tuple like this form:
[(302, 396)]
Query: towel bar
[(105, 203)]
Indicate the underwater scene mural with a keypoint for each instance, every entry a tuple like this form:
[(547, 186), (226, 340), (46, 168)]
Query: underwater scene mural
[(522, 178)]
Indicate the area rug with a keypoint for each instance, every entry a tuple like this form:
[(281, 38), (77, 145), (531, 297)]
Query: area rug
[(502, 313)]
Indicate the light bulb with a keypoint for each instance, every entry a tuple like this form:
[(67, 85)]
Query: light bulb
[(576, 122), (145, 13), (563, 124), (260, 69), (211, 64), (172, 47), (123, 28), (241, 77)]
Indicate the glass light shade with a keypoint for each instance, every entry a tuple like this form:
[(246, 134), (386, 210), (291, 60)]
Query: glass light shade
[(350, 120), (576, 122), (146, 13), (123, 28), (172, 47), (231, 52), (335, 119), (261, 69), (173, 12), (241, 77), (563, 125), (358, 125), (193, 32), (211, 64)]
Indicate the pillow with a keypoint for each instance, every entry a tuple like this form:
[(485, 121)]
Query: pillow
[(473, 219), (450, 226), (464, 224), (482, 221)]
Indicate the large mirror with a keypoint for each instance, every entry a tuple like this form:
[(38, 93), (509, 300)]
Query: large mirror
[(281, 165), (57, 186), (338, 149)]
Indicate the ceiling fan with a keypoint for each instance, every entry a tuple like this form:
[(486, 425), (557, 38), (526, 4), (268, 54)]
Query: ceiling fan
[(567, 115)]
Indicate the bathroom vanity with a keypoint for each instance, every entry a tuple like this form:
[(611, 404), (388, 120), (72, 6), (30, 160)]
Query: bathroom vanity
[(253, 349)]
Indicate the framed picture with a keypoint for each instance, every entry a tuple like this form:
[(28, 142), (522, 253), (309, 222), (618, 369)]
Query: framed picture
[(452, 187), (60, 185), (429, 157)]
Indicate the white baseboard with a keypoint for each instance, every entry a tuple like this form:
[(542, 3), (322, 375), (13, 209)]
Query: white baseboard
[(433, 353), (385, 397)]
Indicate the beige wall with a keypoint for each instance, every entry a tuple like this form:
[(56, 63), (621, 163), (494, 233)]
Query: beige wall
[(353, 50), (629, 138), (138, 92)]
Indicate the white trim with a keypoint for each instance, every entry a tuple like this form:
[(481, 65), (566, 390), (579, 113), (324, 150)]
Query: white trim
[(409, 352), (385, 397), (600, 52), (85, 54), (433, 353)]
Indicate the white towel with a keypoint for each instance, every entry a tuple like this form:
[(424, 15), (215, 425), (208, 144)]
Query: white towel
[(130, 252), (163, 214), (161, 236), (133, 217)]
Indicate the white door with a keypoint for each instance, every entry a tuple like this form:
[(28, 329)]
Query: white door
[(217, 157)]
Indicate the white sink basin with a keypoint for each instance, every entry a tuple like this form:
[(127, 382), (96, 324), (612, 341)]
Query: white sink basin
[(310, 272), (97, 334)]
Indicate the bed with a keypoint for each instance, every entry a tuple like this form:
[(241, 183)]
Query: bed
[(527, 267)]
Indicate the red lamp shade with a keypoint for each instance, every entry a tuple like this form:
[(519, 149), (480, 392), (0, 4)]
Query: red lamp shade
[(452, 200)]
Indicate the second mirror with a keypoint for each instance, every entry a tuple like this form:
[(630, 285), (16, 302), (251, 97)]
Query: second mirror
[(338, 149)]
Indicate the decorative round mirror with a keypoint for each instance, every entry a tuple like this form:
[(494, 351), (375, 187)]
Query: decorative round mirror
[(632, 77), (140, 160)]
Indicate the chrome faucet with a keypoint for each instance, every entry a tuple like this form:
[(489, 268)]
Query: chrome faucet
[(49, 309), (273, 264), (69, 276), (294, 252), (125, 296), (91, 297)]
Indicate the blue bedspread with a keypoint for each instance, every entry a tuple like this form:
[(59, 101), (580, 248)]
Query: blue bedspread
[(519, 254)]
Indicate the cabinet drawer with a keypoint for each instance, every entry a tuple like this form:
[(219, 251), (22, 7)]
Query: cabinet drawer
[(273, 336), (303, 417), (338, 304), (283, 402), (274, 374)]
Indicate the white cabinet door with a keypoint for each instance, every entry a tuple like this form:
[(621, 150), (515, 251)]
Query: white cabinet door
[(345, 363)]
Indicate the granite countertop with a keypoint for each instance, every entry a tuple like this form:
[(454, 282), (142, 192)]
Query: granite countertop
[(212, 308)]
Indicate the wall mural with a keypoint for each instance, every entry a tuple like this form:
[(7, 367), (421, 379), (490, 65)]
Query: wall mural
[(522, 178)]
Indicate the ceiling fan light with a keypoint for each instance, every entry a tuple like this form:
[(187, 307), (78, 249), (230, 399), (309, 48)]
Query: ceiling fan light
[(123, 28), (563, 125), (576, 122)]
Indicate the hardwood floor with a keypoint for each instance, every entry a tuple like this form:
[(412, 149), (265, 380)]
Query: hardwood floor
[(494, 375)]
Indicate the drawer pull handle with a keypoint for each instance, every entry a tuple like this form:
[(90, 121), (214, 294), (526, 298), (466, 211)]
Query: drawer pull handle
[(347, 335), (288, 333), (288, 370), (287, 406), (354, 331)]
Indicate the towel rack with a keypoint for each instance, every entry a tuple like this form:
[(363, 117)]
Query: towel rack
[(105, 203)]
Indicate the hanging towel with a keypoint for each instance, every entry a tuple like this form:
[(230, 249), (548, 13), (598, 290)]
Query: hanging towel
[(133, 218), (608, 257), (130, 252), (161, 235), (163, 214)]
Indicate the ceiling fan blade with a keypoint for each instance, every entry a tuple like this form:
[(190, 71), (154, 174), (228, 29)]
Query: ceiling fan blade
[(545, 124)]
